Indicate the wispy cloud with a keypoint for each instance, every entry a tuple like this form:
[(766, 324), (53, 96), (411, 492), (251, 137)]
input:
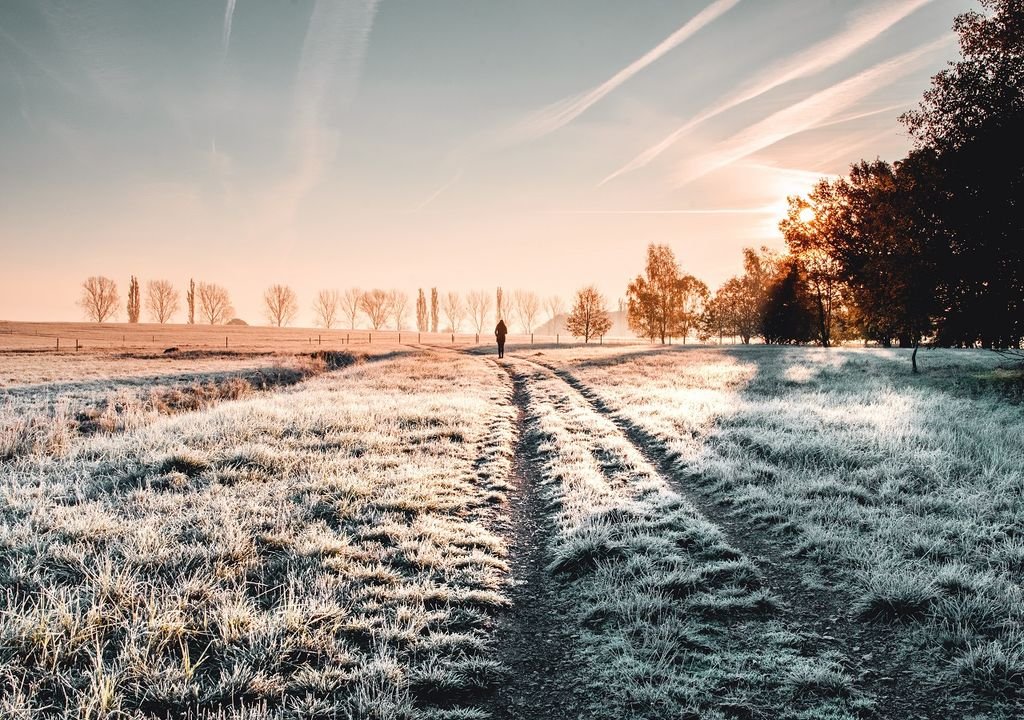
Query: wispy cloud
[(808, 113), (861, 31), (434, 195), (329, 70), (229, 15), (564, 111)]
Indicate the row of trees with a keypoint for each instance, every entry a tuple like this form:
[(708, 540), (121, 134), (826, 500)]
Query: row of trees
[(100, 299)]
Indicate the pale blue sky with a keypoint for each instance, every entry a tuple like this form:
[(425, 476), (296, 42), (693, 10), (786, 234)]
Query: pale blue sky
[(410, 143)]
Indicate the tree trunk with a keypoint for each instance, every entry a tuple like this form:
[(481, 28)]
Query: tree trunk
[(913, 358)]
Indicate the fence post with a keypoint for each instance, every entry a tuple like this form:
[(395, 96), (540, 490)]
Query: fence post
[(557, 341), (76, 344), (58, 344), (602, 340), (369, 338), (419, 337), (453, 338), (318, 340), (225, 341), (478, 338), (399, 336)]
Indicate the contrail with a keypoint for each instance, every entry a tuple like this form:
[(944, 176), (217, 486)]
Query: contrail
[(818, 57), (229, 15), (434, 195), (566, 110), (808, 113)]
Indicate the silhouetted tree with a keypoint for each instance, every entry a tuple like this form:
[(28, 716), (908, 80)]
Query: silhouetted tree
[(479, 304), (422, 314), (527, 305), (434, 310), (161, 300), (376, 306), (99, 298), (134, 300), (352, 305), (589, 316), (214, 303), (326, 308), (499, 304), (190, 298), (454, 311), (787, 316)]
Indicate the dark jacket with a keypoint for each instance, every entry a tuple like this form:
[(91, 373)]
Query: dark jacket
[(500, 331)]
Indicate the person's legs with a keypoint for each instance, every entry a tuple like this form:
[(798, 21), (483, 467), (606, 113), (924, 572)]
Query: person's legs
[(501, 348)]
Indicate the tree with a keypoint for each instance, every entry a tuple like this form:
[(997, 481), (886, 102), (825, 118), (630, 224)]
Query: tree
[(453, 310), (214, 303), (376, 306), (134, 300), (99, 298), (479, 304), (654, 299), (589, 316), (499, 305), (434, 310), (788, 317), (527, 306), (326, 308), (161, 300), (398, 304), (422, 314), (554, 307), (352, 305), (691, 297), (281, 305), (969, 123), (190, 298)]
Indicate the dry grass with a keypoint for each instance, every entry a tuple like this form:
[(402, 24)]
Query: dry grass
[(315, 553)]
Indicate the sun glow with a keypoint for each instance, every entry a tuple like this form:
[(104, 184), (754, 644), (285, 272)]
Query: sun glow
[(806, 215)]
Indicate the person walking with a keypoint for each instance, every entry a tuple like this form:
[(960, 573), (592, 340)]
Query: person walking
[(500, 331)]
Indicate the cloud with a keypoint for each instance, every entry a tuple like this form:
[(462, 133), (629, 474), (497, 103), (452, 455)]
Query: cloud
[(434, 195), (864, 29), (329, 71), (564, 111), (808, 113), (229, 14)]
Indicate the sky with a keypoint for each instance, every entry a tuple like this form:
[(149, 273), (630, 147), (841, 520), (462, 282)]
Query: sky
[(457, 144)]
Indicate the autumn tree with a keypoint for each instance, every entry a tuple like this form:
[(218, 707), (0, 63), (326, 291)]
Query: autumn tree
[(479, 304), (190, 299), (454, 310), (375, 304), (589, 316), (134, 300), (398, 305), (280, 305), (325, 308), (434, 310), (655, 299), (99, 298), (422, 314), (788, 316), (214, 303), (527, 307), (161, 300), (351, 305), (691, 297)]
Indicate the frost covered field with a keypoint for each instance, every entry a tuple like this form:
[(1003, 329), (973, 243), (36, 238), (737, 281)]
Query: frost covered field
[(735, 532)]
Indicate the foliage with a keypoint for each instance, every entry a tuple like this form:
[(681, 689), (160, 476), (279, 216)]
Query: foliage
[(589, 316), (134, 300)]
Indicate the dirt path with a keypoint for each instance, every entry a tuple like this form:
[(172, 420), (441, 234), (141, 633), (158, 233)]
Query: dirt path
[(533, 638), (822, 616)]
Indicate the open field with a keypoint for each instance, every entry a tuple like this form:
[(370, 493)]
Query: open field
[(401, 531)]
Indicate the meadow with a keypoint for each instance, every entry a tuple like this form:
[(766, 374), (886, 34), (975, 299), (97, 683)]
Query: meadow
[(410, 531)]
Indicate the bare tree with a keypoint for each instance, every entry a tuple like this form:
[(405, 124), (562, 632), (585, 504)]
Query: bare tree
[(351, 305), (434, 317), (499, 304), (161, 300), (281, 305), (527, 306), (422, 314), (134, 300), (214, 303), (326, 308), (479, 304), (190, 297), (555, 307), (398, 304), (454, 311), (99, 298), (375, 304), (589, 318)]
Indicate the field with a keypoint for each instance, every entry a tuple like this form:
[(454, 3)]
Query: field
[(413, 530)]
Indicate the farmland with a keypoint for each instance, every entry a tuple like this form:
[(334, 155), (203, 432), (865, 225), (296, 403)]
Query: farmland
[(424, 531)]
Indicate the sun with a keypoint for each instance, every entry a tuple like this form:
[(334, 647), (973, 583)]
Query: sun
[(806, 215)]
